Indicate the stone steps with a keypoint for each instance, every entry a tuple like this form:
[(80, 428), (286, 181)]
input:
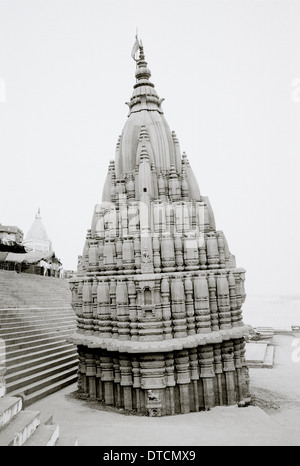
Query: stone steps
[(13, 347), (67, 441), (36, 352), (20, 428), (38, 364), (37, 391), (43, 386), (22, 290), (21, 325), (9, 408), (21, 379), (46, 435), (29, 336), (29, 361), (59, 362), (36, 321), (23, 427)]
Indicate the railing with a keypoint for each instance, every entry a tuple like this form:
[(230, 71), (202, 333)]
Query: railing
[(27, 268)]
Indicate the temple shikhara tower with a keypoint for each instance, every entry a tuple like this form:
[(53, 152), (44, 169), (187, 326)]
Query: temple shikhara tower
[(158, 296)]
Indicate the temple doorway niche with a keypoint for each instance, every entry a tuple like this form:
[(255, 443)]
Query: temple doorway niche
[(147, 302), (148, 307)]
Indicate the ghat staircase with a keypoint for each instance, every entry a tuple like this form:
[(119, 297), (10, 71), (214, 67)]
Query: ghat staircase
[(36, 320), (21, 426)]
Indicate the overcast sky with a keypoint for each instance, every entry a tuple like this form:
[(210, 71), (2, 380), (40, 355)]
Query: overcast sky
[(230, 75)]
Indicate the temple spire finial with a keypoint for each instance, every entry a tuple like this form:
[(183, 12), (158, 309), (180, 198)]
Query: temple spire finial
[(136, 46)]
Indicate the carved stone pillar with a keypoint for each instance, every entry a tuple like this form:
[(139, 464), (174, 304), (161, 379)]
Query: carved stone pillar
[(109, 256), (138, 402), (167, 254), (156, 253), (212, 286), (119, 261), (104, 317), (169, 210), (195, 376), (87, 307), (178, 253), (159, 217), (178, 308), (189, 305), (126, 381), (128, 255), (107, 377), (137, 253), (201, 303), (183, 379), (243, 293), (117, 381), (122, 311), (233, 300), (95, 306), (229, 370), (100, 254), (166, 307), (82, 380), (124, 219), (113, 307), (91, 375), (130, 187), (174, 185), (239, 302), (212, 251), (239, 372), (93, 253), (207, 374), (245, 372), (191, 257), (85, 253), (133, 219), (223, 301), (152, 368), (132, 310), (161, 186), (99, 387), (170, 380), (79, 308), (221, 247), (219, 372), (202, 252)]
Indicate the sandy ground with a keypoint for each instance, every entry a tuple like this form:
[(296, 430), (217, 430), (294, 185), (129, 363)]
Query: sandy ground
[(274, 419)]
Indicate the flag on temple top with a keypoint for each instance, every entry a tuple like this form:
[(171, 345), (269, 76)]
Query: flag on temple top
[(135, 48)]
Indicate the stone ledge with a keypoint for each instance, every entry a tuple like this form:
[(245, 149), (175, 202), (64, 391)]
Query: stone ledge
[(154, 275), (164, 346)]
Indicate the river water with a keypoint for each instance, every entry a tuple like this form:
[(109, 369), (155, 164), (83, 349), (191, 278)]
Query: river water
[(272, 311)]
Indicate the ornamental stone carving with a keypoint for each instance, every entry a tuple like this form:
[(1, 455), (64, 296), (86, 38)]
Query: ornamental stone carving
[(158, 296)]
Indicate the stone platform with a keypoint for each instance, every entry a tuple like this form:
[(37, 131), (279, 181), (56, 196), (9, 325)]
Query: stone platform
[(260, 354)]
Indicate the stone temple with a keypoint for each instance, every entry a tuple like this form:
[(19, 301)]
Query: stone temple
[(158, 296)]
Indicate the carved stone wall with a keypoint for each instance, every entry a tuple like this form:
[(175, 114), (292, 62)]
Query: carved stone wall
[(184, 381)]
